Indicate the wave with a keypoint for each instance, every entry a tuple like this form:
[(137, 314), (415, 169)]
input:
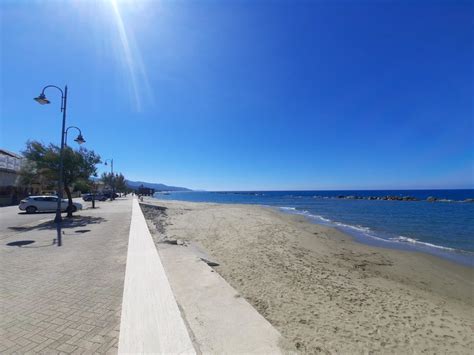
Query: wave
[(365, 231), (402, 239), (321, 218), (305, 213), (288, 208), (357, 227)]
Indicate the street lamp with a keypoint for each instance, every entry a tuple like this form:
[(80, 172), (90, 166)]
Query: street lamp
[(79, 139), (41, 99), (112, 176)]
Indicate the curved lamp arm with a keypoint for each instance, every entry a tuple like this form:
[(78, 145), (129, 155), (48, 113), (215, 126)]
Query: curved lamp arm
[(43, 100), (52, 86), (80, 139)]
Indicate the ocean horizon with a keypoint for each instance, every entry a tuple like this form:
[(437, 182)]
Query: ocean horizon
[(438, 222)]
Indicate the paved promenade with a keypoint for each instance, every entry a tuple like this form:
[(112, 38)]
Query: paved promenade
[(106, 291), (65, 299)]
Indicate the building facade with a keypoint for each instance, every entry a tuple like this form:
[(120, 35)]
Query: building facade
[(10, 165)]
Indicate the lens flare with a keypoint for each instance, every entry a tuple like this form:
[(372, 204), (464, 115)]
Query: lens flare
[(139, 85)]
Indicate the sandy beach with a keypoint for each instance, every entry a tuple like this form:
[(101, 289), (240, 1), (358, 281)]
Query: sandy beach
[(322, 291)]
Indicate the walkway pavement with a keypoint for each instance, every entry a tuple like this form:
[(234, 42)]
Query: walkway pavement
[(65, 299)]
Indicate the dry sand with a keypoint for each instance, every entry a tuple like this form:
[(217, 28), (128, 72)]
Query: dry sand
[(324, 292)]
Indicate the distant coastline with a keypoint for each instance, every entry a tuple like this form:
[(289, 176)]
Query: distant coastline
[(156, 186)]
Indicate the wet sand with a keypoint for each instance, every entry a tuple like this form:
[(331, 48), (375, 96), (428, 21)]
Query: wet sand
[(324, 292)]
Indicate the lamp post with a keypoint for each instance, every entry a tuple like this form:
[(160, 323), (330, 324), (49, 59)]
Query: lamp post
[(41, 99), (79, 139), (112, 197)]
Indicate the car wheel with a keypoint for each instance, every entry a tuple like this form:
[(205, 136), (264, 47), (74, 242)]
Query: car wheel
[(73, 208), (31, 209)]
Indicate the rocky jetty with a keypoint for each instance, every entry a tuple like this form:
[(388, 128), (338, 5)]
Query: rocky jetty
[(396, 198), (436, 199), (353, 197), (383, 198)]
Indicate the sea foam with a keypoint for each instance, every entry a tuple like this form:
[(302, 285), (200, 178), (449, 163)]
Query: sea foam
[(402, 239), (361, 230)]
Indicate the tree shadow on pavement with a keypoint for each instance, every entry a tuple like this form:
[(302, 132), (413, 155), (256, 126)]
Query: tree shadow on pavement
[(74, 222), (20, 243), (26, 244)]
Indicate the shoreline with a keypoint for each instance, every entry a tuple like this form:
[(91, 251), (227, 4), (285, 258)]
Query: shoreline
[(360, 235), (323, 291), (367, 233)]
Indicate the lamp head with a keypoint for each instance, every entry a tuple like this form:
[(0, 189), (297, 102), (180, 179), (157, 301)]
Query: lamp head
[(80, 139), (42, 100)]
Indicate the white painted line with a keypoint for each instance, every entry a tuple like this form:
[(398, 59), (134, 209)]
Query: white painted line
[(151, 321)]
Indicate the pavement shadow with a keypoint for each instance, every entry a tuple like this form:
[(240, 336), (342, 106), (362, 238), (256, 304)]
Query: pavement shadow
[(20, 243), (27, 244), (82, 231), (42, 212), (74, 222)]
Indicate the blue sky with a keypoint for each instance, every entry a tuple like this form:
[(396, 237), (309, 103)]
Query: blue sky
[(240, 95)]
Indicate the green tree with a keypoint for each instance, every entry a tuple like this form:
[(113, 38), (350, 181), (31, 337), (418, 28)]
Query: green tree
[(107, 179), (116, 181), (83, 185), (31, 177), (79, 165), (120, 183)]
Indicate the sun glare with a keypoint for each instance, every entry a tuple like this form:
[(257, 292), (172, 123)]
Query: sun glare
[(139, 86)]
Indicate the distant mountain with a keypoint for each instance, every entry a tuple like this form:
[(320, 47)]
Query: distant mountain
[(157, 187)]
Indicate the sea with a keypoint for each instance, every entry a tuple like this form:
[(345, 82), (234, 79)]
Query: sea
[(437, 222)]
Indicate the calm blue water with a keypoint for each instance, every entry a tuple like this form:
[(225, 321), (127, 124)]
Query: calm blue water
[(444, 229)]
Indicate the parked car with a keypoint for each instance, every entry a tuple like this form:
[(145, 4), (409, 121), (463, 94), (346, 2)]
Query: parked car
[(98, 197), (34, 204), (108, 194)]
